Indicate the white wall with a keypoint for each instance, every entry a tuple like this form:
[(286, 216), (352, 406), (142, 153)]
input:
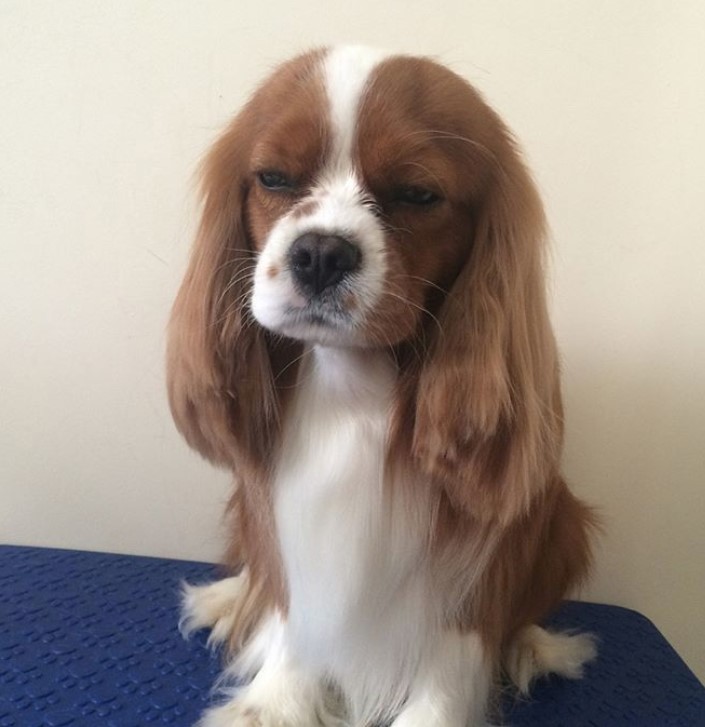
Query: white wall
[(106, 108)]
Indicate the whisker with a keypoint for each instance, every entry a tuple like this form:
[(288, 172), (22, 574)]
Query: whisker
[(299, 379), (240, 302), (231, 260), (425, 281), (449, 294), (242, 276), (407, 301)]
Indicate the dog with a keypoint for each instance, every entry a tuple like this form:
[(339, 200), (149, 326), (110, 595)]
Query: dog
[(362, 338)]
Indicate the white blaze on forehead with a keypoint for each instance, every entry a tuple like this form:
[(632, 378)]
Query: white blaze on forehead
[(347, 71), (341, 208)]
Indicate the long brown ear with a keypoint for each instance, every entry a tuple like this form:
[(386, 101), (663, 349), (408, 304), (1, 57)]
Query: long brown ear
[(488, 424), (219, 364)]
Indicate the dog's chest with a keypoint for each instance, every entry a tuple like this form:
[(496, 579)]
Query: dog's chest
[(347, 550)]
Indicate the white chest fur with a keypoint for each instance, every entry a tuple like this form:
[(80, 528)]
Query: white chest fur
[(353, 555)]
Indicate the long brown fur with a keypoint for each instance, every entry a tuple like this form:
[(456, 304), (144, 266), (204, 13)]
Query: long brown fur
[(227, 377)]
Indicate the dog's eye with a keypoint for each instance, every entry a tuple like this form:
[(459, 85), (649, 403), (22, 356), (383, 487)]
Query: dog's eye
[(417, 196), (274, 180)]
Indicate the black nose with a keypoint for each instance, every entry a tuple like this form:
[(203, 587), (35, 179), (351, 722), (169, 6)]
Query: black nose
[(320, 261)]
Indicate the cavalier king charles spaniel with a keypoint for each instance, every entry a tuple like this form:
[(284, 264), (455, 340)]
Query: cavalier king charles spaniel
[(362, 338)]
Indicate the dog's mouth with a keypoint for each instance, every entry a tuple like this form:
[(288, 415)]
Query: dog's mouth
[(332, 319), (317, 319)]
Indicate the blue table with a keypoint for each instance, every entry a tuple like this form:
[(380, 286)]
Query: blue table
[(90, 639)]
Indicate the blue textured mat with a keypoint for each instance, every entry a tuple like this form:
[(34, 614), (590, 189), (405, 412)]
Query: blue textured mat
[(89, 639)]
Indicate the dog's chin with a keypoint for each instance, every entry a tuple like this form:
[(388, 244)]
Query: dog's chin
[(314, 325)]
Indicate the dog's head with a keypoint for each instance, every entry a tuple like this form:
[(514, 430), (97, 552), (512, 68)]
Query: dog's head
[(372, 201)]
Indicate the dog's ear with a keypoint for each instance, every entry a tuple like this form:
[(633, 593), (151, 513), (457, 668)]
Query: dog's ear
[(488, 422), (219, 360)]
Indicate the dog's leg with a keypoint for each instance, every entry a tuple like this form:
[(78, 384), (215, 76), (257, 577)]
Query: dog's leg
[(535, 652), (281, 694), (452, 687), (213, 606)]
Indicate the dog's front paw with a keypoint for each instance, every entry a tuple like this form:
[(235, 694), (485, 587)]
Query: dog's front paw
[(232, 714), (212, 606), (291, 712)]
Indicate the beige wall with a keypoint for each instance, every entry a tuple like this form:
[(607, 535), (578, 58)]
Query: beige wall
[(106, 108)]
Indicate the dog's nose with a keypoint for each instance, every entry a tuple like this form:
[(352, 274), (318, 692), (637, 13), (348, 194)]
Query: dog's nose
[(320, 261)]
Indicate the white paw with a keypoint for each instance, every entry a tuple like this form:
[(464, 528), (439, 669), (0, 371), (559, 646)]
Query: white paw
[(288, 712), (536, 652), (428, 715), (417, 716), (232, 714), (213, 606)]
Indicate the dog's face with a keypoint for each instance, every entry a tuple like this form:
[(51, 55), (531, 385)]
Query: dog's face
[(372, 201), (361, 183)]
